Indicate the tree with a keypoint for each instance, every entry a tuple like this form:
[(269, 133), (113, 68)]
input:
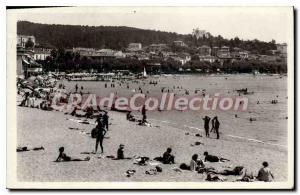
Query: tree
[(29, 44)]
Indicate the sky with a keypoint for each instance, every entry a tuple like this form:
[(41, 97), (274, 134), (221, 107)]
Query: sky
[(247, 23)]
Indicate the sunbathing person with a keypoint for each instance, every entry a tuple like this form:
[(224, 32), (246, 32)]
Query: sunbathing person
[(245, 177), (130, 117), (24, 149), (265, 174), (89, 112), (238, 170), (63, 157), (211, 158), (213, 177)]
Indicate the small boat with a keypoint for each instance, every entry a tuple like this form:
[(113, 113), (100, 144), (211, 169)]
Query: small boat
[(145, 73)]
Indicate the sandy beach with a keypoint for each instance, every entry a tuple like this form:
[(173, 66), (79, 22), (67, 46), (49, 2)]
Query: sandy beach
[(50, 129)]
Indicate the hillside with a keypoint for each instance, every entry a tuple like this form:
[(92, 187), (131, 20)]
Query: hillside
[(68, 36)]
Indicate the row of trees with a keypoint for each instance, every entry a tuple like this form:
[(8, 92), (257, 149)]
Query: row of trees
[(72, 62), (236, 67)]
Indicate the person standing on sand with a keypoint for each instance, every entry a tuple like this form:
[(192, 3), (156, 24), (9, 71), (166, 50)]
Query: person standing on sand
[(216, 124), (144, 110), (213, 129), (76, 88), (100, 136), (105, 120), (206, 125), (144, 114)]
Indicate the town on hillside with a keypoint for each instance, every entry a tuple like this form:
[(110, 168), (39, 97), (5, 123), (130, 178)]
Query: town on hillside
[(34, 57)]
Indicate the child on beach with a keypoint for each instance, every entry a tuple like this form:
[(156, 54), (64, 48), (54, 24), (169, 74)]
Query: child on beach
[(120, 152)]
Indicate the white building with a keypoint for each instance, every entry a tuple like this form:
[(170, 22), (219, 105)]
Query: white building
[(41, 53), (179, 43), (23, 39), (134, 46)]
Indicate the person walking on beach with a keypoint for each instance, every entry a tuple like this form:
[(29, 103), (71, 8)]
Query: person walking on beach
[(213, 129), (76, 88), (206, 125), (105, 121), (144, 110), (100, 136), (216, 124), (144, 114)]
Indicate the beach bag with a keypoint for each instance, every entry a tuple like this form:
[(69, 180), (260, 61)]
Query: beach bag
[(94, 133)]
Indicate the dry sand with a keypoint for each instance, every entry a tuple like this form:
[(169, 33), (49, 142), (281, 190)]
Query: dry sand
[(50, 129)]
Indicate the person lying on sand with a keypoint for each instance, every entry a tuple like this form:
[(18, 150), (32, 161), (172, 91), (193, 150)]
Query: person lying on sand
[(141, 160), (238, 170), (144, 122), (246, 177), (63, 157), (213, 177), (211, 158), (265, 174), (24, 149)]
